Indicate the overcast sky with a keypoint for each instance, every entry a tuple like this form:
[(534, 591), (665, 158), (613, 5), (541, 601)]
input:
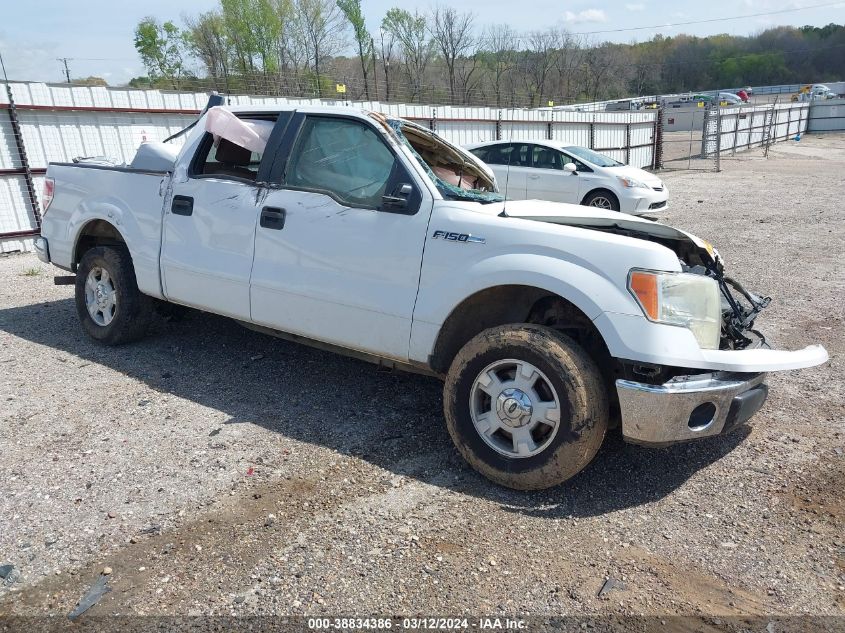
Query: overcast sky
[(97, 34)]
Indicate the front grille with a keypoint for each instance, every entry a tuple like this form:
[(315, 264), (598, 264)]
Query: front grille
[(658, 188), (657, 205)]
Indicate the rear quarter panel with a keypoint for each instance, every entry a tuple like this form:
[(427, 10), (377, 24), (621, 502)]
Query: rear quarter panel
[(129, 200)]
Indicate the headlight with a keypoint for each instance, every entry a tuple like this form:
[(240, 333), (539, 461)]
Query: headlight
[(690, 301), (630, 183)]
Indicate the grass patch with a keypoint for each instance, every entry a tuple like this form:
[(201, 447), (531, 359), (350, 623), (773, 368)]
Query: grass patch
[(31, 272)]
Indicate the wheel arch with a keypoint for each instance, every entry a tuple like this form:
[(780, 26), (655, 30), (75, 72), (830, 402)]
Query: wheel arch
[(511, 303), (603, 190), (95, 232)]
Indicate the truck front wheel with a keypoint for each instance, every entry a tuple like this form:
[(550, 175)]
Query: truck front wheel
[(110, 306), (525, 406)]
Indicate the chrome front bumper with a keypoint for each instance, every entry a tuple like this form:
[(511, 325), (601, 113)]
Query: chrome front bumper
[(42, 250), (688, 407)]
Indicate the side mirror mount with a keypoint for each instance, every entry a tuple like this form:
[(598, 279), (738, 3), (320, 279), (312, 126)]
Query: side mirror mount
[(398, 199), (571, 168)]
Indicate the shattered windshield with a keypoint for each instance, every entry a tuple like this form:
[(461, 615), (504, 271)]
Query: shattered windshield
[(454, 175)]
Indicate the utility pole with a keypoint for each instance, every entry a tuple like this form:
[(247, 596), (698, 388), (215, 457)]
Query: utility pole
[(64, 61), (375, 67)]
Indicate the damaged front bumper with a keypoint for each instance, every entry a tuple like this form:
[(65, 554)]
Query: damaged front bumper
[(688, 407)]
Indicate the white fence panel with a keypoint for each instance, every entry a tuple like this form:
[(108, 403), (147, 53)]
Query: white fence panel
[(572, 133), (59, 123), (14, 207), (465, 132), (826, 116)]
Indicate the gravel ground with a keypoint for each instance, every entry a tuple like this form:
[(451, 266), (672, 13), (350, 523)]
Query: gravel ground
[(219, 471)]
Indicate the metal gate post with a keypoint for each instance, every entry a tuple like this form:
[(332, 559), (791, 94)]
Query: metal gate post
[(736, 130), (657, 151), (788, 122), (27, 172), (593, 133), (718, 139), (499, 127), (628, 143)]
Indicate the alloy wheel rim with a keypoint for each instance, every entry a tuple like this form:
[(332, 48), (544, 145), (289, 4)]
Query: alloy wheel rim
[(601, 202), (100, 296), (515, 408)]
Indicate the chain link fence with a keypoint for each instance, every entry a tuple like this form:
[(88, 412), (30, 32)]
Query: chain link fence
[(699, 138)]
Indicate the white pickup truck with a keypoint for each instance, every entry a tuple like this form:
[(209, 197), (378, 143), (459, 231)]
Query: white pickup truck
[(374, 237)]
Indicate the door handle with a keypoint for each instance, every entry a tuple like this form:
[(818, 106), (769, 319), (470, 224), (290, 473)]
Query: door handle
[(273, 218), (182, 205)]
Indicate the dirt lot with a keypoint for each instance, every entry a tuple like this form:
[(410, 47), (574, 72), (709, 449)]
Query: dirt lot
[(220, 471)]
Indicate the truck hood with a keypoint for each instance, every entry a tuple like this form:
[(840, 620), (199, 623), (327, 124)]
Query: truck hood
[(690, 248)]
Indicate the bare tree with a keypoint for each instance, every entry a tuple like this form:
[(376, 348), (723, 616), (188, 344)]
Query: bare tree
[(322, 25), (537, 62), (568, 61), (452, 33), (388, 45), (498, 55), (468, 77)]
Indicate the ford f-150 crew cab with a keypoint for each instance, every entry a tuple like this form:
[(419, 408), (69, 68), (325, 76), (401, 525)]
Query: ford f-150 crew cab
[(372, 236)]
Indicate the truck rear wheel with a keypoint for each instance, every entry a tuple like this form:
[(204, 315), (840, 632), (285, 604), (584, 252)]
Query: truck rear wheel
[(525, 406), (110, 306)]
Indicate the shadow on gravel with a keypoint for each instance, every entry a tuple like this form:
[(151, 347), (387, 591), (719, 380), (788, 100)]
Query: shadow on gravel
[(392, 420)]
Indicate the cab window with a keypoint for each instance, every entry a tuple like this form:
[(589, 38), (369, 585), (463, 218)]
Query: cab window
[(221, 158), (226, 159), (343, 158)]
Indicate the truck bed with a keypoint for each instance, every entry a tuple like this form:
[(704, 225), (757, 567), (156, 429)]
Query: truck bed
[(130, 199)]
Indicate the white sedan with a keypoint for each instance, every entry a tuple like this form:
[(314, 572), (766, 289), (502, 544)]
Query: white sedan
[(554, 171)]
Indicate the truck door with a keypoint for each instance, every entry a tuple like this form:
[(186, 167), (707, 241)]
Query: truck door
[(209, 230), (340, 238)]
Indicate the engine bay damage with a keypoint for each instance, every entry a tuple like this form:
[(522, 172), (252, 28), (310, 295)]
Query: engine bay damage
[(739, 307)]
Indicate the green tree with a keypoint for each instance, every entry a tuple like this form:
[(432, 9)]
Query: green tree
[(162, 50), (90, 81), (352, 10)]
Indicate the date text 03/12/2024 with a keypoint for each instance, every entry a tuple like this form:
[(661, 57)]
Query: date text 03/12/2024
[(418, 624)]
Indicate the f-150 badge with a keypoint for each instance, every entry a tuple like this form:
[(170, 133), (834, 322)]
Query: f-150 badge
[(458, 237)]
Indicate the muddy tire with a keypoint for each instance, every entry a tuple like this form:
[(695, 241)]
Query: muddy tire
[(525, 406), (110, 306)]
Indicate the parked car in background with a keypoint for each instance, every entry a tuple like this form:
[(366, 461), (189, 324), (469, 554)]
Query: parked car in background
[(729, 98), (555, 171), (821, 91)]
